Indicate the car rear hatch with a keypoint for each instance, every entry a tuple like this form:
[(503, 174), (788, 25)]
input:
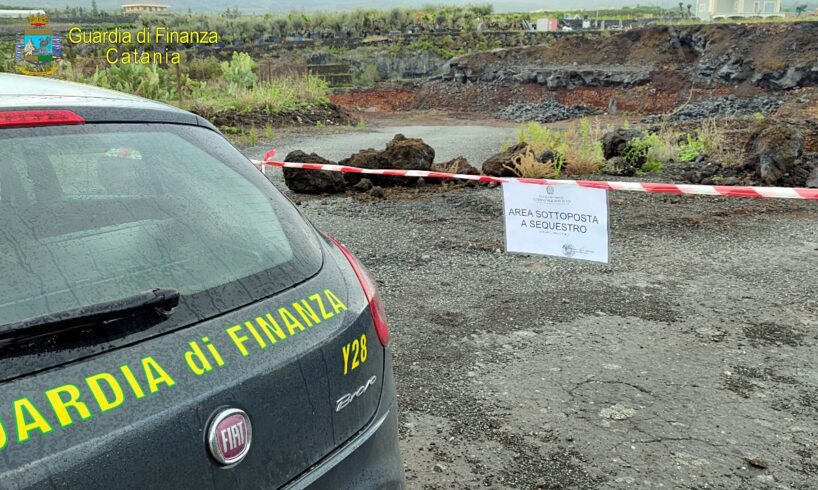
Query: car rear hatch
[(271, 317)]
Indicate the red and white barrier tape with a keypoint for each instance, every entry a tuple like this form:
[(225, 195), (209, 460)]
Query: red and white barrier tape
[(704, 190)]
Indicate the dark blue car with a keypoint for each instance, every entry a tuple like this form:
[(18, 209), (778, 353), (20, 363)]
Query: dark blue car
[(167, 318)]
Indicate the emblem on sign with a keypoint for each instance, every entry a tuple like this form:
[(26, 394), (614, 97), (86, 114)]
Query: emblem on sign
[(229, 436), (39, 51)]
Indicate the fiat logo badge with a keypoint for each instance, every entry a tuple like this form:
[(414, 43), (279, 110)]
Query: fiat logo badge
[(229, 436)]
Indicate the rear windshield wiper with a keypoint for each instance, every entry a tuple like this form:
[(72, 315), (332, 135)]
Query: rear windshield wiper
[(161, 302)]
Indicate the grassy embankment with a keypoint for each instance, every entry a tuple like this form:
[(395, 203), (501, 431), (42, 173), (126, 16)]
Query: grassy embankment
[(211, 89)]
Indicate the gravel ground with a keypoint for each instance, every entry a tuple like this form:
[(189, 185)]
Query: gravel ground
[(687, 362)]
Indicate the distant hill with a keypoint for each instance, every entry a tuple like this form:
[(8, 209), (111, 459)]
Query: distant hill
[(262, 6)]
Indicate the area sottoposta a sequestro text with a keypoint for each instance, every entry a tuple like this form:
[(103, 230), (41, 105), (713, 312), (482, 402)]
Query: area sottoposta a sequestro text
[(117, 39), (554, 220)]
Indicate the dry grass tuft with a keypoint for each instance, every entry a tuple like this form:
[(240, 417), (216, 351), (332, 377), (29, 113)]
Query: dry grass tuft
[(716, 144), (583, 150), (527, 166), (577, 151)]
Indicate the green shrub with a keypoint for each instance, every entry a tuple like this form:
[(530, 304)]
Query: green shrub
[(691, 149), (644, 151), (539, 138), (367, 77), (654, 150), (149, 81), (284, 93), (238, 72), (206, 69), (269, 132)]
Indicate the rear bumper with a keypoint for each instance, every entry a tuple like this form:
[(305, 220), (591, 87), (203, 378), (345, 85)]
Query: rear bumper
[(371, 459)]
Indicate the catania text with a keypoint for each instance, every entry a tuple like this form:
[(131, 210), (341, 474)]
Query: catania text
[(159, 36)]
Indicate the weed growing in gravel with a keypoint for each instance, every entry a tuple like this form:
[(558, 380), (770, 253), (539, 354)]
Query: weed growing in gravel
[(528, 167), (714, 143), (539, 138), (645, 150), (655, 149), (691, 149), (577, 151), (269, 132), (582, 148)]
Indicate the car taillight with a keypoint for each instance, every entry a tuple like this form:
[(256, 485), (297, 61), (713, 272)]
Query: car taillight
[(373, 297), (45, 117)]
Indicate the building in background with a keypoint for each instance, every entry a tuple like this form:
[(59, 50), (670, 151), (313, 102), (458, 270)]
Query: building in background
[(726, 9), (144, 8), (548, 25)]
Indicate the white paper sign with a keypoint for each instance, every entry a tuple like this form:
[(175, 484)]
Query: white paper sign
[(560, 221)]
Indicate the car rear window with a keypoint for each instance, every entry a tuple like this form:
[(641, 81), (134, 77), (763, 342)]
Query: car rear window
[(96, 213)]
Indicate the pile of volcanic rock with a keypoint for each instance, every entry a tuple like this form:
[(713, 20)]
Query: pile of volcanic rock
[(401, 153), (729, 106), (546, 110)]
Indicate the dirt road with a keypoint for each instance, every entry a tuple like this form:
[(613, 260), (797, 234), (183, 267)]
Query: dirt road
[(688, 362)]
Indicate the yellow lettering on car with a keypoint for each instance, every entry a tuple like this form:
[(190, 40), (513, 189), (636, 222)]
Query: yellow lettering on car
[(196, 359), (345, 353), (112, 389), (261, 343), (104, 402), (131, 379), (354, 354), (213, 351), (23, 410), (60, 405), (326, 315), (239, 340), (270, 328), (306, 312), (290, 321), (155, 375), (336, 303)]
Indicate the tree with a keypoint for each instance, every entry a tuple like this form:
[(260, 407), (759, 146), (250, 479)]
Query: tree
[(483, 10), (800, 9), (298, 24), (689, 11), (281, 26), (94, 10)]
